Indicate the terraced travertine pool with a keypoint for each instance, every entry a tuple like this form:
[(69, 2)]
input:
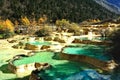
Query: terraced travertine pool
[(95, 51), (64, 68), (88, 50), (39, 43), (60, 68), (94, 38), (42, 57)]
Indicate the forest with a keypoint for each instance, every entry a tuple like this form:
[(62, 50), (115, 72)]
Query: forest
[(72, 10)]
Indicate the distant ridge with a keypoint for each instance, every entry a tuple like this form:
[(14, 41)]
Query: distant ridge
[(114, 2), (110, 6)]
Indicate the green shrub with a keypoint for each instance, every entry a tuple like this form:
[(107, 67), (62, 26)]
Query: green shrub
[(6, 34), (45, 31), (48, 38), (56, 39), (73, 27), (1, 36)]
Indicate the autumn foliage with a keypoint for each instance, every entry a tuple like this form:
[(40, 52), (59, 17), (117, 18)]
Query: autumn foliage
[(42, 19), (6, 29), (6, 25), (25, 21)]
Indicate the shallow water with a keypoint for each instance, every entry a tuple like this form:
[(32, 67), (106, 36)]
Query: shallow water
[(94, 38), (39, 43), (94, 51), (63, 67), (60, 68)]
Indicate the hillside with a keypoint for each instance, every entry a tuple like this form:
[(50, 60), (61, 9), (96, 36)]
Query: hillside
[(73, 10), (111, 5)]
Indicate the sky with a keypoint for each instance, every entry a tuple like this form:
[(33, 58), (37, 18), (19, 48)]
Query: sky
[(115, 2)]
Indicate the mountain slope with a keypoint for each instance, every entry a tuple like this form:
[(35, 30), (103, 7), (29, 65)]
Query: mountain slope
[(112, 5), (73, 10)]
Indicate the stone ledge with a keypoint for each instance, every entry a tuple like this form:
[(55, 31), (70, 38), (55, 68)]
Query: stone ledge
[(107, 66), (91, 42)]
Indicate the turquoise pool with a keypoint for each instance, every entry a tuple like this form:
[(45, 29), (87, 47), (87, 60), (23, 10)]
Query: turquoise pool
[(94, 38), (60, 68), (95, 51), (40, 43)]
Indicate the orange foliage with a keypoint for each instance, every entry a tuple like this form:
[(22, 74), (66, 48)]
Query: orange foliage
[(33, 22), (94, 20), (25, 21), (7, 24), (42, 20)]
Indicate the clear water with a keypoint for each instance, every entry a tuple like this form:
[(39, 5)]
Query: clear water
[(87, 74), (94, 38), (95, 51), (40, 43), (59, 67)]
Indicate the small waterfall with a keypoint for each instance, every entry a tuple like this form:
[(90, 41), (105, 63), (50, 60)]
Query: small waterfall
[(32, 39), (90, 35)]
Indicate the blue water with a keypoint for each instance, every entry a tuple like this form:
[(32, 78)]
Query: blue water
[(87, 74)]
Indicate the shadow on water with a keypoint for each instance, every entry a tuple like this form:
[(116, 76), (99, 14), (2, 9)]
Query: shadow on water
[(65, 69), (24, 78), (116, 73), (56, 56), (4, 68)]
